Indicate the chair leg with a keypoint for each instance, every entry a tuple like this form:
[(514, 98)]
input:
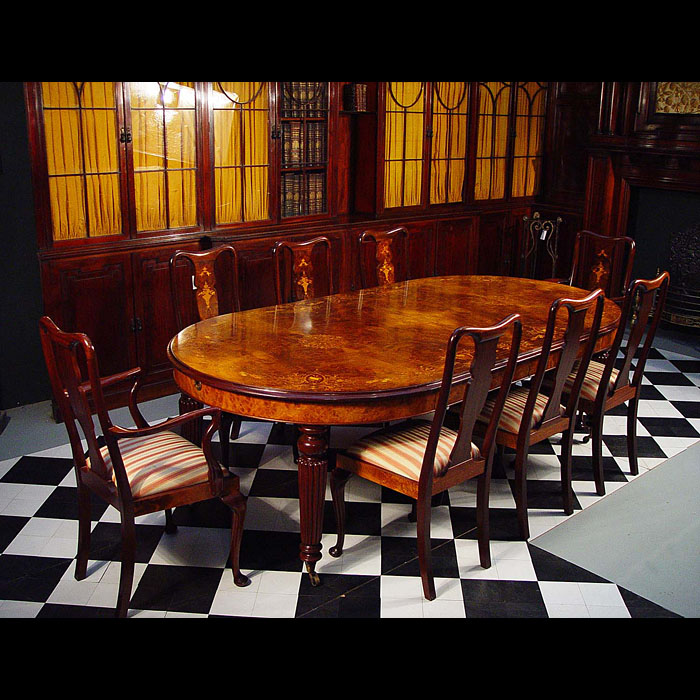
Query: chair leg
[(483, 487), (170, 526), (521, 493), (126, 576), (237, 503), (83, 533), (565, 460), (632, 434), (224, 432), (235, 427), (338, 479), (425, 561), (597, 452)]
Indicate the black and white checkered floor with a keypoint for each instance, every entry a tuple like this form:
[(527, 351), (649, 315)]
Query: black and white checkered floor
[(184, 574)]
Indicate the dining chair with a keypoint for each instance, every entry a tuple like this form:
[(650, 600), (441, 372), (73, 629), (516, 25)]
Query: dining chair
[(603, 262), (421, 458), (383, 257), (203, 285), (298, 275), (534, 413), (606, 385), (137, 470)]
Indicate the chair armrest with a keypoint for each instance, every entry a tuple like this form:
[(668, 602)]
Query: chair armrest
[(120, 432), (136, 374), (113, 379)]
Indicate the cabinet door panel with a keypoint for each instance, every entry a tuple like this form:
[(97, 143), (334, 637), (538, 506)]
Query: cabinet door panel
[(154, 310), (456, 247), (421, 250), (94, 296), (495, 248)]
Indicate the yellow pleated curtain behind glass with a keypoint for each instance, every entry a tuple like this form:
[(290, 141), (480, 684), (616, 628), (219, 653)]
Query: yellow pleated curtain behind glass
[(403, 144), (241, 160), (164, 152), (449, 142), (529, 124), (492, 140), (80, 131)]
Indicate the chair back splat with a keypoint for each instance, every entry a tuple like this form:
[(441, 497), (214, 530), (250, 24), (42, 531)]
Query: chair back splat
[(389, 261), (603, 262), (211, 287), (577, 310), (204, 285), (298, 274), (70, 358), (641, 310)]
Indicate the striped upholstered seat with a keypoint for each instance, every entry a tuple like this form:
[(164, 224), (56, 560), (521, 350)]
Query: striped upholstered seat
[(513, 409), (401, 450), (160, 462), (590, 385)]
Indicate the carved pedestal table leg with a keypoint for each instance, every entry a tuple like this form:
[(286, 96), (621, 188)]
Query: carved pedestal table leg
[(313, 470)]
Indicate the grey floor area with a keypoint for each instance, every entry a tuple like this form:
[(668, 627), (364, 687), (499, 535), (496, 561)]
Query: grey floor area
[(645, 537)]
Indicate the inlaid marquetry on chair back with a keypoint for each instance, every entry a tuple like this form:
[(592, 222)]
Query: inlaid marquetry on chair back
[(383, 257), (603, 262), (204, 284), (300, 270)]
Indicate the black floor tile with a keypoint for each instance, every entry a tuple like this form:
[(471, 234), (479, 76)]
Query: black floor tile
[(549, 567), (10, 527), (30, 578), (188, 589), (641, 607), (646, 446), (49, 471), (689, 409), (669, 427), (63, 504)]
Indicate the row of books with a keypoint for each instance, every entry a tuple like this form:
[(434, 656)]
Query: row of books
[(303, 146), (303, 99), (302, 197), (355, 97)]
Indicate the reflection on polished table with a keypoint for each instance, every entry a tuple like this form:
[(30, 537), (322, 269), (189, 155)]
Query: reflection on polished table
[(360, 357)]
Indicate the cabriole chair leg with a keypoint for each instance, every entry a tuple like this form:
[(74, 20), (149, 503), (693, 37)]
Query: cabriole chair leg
[(338, 478)]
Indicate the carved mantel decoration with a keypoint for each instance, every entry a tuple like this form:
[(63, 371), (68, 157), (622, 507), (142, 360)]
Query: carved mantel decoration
[(678, 98)]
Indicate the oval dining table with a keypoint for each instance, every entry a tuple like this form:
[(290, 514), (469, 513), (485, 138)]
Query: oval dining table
[(362, 357)]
